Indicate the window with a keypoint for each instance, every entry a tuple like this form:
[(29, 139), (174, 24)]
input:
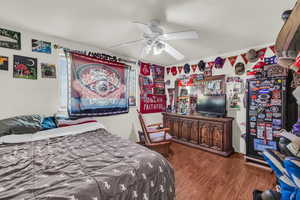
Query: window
[(63, 82)]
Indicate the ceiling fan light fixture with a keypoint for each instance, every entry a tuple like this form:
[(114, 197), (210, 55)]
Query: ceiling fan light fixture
[(158, 48)]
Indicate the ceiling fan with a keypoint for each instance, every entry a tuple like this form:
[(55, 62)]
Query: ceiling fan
[(154, 39)]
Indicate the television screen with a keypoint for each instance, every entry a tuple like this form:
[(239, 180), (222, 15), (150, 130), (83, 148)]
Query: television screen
[(211, 104)]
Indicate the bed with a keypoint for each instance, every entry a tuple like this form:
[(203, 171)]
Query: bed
[(83, 162)]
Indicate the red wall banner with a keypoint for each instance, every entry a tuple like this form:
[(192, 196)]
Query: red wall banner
[(153, 103)]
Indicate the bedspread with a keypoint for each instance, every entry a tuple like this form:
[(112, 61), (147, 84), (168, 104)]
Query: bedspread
[(94, 165)]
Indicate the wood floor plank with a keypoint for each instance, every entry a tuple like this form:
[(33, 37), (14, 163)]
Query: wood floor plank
[(205, 176)]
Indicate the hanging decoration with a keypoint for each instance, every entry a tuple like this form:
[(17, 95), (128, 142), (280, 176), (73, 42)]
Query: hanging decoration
[(232, 60), (168, 70), (186, 68), (261, 53), (174, 71), (210, 64), (180, 68), (97, 87), (244, 57), (271, 60), (219, 62), (194, 67), (272, 48), (201, 65), (144, 69)]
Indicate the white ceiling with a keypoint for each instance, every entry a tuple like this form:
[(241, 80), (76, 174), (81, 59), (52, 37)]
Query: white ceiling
[(223, 25)]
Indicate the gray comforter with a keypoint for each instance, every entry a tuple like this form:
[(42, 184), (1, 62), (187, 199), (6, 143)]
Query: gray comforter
[(90, 166)]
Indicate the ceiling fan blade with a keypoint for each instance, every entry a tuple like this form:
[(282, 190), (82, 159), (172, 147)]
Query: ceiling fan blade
[(143, 27), (173, 52), (125, 44), (180, 35)]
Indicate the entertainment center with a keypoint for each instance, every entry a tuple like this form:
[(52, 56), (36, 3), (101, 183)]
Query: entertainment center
[(213, 134), (197, 117)]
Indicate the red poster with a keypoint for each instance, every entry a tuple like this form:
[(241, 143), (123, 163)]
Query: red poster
[(153, 103)]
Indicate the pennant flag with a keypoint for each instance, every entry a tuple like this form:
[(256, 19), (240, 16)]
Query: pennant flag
[(272, 48), (232, 59), (211, 64), (174, 71), (271, 60), (244, 58), (180, 69), (261, 53), (145, 69), (168, 70), (194, 67)]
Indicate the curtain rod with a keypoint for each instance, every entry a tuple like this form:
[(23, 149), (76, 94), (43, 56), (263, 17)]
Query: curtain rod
[(56, 46)]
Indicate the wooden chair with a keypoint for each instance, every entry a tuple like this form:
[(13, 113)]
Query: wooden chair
[(155, 137)]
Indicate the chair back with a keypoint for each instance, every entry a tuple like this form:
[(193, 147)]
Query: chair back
[(144, 128)]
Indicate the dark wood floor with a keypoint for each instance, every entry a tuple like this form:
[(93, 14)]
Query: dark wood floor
[(204, 176)]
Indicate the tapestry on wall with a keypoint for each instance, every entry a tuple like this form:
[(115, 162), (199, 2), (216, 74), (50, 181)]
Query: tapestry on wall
[(10, 39), (41, 46), (4, 63), (97, 87), (25, 67)]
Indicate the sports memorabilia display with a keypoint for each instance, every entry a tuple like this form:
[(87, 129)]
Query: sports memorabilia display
[(266, 109), (10, 39), (25, 67), (152, 88), (98, 87)]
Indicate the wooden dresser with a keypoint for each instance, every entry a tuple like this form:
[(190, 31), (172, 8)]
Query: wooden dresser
[(207, 133)]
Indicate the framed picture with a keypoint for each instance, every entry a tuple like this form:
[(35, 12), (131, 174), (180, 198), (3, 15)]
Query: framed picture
[(10, 39), (25, 67), (48, 70), (41, 46), (132, 87), (4, 63)]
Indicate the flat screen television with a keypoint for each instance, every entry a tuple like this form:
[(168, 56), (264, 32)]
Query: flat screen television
[(211, 105)]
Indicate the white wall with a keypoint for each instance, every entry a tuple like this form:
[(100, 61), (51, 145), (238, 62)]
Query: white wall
[(239, 115), (20, 96)]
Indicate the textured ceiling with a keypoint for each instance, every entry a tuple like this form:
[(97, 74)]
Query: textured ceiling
[(223, 26)]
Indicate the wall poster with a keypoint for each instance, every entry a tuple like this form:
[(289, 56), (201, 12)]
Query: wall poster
[(10, 39), (4, 63), (41, 46), (48, 70), (25, 67), (153, 103)]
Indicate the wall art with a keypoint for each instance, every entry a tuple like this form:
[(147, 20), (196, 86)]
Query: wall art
[(10, 39), (41, 46), (48, 70), (25, 67), (4, 63)]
